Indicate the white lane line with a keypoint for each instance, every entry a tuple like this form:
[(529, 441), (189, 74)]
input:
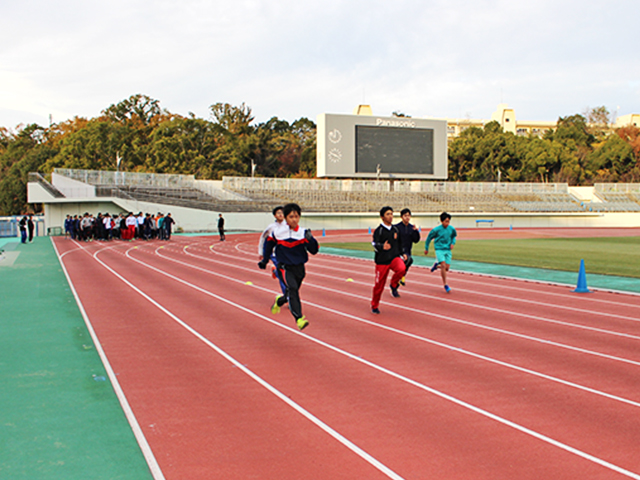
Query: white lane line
[(421, 386), (308, 415), (462, 273), (458, 320), (483, 294), (424, 339), (156, 472)]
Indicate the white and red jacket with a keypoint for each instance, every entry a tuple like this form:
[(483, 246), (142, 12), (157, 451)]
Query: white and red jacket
[(291, 245)]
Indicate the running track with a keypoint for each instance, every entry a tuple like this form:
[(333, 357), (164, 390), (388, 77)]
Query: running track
[(498, 380)]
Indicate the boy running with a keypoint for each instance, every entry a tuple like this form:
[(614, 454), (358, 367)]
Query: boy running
[(444, 237), (291, 243), (409, 235), (386, 242), (278, 214)]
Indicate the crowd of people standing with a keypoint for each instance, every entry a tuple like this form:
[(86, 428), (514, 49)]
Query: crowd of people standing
[(123, 226)]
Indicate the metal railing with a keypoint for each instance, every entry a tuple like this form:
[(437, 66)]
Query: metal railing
[(40, 180), (101, 177)]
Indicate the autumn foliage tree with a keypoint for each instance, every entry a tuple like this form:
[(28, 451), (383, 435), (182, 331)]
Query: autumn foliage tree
[(137, 135)]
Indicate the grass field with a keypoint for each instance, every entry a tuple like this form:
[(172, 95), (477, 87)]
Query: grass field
[(604, 255)]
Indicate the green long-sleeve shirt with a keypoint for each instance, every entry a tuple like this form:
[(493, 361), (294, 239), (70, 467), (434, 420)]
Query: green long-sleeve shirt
[(443, 238)]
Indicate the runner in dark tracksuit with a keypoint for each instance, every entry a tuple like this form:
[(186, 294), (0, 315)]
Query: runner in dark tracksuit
[(292, 244), (409, 234)]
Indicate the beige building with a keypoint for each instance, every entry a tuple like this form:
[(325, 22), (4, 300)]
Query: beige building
[(506, 117), (633, 119)]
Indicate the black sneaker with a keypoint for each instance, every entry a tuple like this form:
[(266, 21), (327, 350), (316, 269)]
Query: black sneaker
[(375, 310), (394, 292), (435, 267)]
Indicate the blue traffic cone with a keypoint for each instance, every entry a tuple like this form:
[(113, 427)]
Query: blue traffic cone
[(324, 233), (369, 230), (582, 280)]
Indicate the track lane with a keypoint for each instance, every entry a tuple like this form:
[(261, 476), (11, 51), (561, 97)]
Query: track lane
[(389, 347), (523, 351), (201, 414)]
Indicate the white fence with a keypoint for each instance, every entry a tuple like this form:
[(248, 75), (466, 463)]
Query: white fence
[(618, 187), (99, 177), (244, 184)]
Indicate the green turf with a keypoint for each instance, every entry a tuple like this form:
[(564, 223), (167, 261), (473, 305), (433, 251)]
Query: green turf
[(618, 256), (59, 415)]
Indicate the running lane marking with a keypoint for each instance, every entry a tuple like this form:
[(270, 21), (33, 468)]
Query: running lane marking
[(423, 339), (156, 472), (486, 294), (393, 374), (308, 415), (455, 320)]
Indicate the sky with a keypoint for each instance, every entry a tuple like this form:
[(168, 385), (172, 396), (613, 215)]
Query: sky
[(296, 58)]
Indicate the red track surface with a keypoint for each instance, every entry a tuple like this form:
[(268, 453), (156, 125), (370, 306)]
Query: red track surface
[(498, 380)]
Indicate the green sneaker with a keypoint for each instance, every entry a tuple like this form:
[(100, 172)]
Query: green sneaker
[(302, 323), (276, 308)]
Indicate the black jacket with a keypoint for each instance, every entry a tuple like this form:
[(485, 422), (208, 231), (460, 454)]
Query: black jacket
[(381, 235), (408, 236)]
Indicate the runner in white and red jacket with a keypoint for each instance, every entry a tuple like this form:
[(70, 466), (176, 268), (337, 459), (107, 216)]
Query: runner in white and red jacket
[(292, 245)]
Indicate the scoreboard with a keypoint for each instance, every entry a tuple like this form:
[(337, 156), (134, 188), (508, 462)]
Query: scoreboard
[(364, 146)]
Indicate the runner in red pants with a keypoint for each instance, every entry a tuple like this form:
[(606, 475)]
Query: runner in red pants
[(386, 242)]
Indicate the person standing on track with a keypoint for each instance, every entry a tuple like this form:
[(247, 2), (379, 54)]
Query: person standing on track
[(132, 224), (23, 229), (30, 227), (292, 245), (444, 237), (386, 243), (168, 222), (278, 214), (409, 234), (221, 227)]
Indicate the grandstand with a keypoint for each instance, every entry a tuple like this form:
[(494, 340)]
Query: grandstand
[(420, 196), (199, 201), (615, 197), (177, 190), (243, 194)]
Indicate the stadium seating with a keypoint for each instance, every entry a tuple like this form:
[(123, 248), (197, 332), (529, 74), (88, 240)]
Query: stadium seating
[(243, 194)]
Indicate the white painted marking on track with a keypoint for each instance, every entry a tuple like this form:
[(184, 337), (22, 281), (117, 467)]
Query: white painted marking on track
[(156, 472), (418, 269), (453, 319), (421, 386), (319, 423), (427, 340)]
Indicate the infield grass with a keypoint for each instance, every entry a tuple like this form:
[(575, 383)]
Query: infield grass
[(605, 255)]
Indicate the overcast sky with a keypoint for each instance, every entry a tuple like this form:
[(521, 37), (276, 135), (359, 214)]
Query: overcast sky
[(297, 58)]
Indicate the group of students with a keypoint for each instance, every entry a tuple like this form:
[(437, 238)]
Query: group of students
[(393, 245), (119, 226), (287, 246)]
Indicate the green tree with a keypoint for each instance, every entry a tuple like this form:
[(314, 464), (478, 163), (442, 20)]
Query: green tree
[(611, 161), (25, 152)]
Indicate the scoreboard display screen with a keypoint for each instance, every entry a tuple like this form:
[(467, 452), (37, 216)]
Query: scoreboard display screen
[(368, 146), (398, 150)]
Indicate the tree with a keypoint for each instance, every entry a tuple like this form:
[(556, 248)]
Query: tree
[(235, 120), (598, 120), (25, 152), (137, 108), (610, 161)]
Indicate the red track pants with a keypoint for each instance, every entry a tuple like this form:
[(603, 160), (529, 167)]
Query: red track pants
[(382, 271)]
